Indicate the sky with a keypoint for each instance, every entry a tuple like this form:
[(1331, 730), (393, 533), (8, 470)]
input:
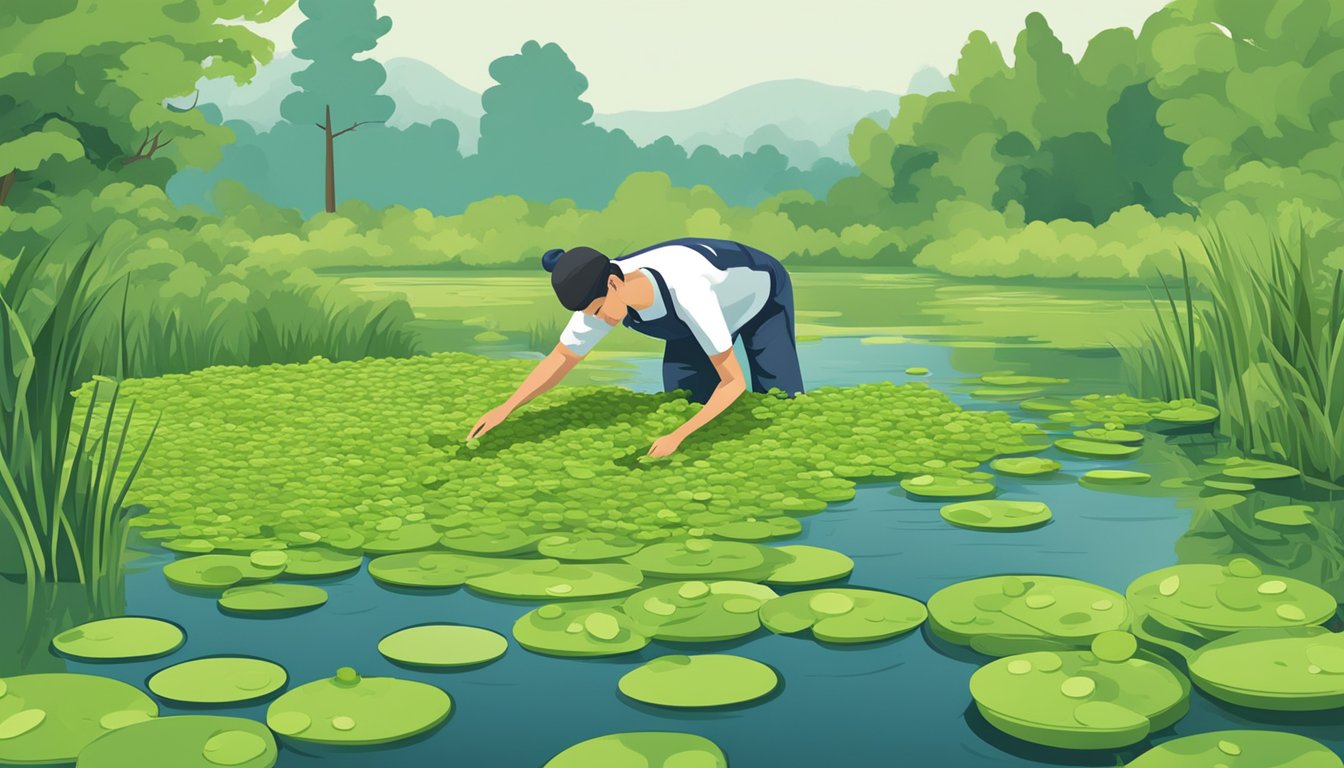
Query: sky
[(648, 55)]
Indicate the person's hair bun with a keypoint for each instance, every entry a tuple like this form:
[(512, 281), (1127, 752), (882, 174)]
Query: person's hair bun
[(550, 258)]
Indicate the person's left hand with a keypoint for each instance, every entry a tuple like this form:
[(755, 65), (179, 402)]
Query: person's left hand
[(665, 445)]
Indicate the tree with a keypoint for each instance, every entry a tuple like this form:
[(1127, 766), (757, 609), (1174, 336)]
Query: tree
[(333, 32)]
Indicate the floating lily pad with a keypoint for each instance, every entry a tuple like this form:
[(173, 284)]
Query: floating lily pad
[(1002, 615), (1044, 405), (844, 615), (549, 579), (262, 598), (1103, 435), (1187, 414), (186, 741), (757, 529), (1250, 469), (434, 569), (696, 611), (1073, 700), (1287, 516), (586, 548), (1211, 600), (218, 680), (1250, 749), (917, 371), (321, 561), (218, 571), (493, 539), (708, 680), (705, 559), (1026, 466), (351, 710), (590, 628), (1019, 380), (1293, 669), (403, 538), (810, 565), (49, 718), (997, 514), (938, 487), (1225, 485), (642, 750), (1114, 477), (1005, 393), (122, 638), (1096, 449), (443, 645)]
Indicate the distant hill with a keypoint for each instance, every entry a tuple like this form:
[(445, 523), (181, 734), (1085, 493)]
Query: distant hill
[(804, 119)]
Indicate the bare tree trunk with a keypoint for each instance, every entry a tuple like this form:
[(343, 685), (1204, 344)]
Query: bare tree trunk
[(331, 166), (7, 184)]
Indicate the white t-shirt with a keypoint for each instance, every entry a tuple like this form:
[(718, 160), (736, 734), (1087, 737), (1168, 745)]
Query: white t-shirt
[(714, 303)]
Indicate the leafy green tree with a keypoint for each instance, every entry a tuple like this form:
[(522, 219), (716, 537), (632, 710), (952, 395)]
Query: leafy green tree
[(333, 32)]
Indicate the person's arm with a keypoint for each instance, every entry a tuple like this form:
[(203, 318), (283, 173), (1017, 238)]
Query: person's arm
[(731, 386), (547, 373)]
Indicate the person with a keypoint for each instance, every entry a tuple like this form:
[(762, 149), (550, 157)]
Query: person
[(696, 294)]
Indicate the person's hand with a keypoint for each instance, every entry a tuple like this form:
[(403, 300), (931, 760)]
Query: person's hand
[(665, 445), (489, 421)]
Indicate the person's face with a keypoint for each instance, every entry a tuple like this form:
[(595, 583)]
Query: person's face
[(611, 309)]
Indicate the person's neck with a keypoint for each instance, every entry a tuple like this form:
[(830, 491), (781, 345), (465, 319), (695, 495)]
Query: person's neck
[(641, 288)]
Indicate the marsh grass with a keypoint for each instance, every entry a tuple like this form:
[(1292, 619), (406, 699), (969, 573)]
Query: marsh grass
[(1265, 343), (544, 335), (64, 468)]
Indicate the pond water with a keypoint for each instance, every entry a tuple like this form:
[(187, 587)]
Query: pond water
[(899, 702)]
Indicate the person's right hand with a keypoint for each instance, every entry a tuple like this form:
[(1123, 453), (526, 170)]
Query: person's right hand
[(489, 421)]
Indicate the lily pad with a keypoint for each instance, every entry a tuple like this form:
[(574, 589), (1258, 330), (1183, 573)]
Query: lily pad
[(1103, 435), (1187, 413), (263, 598), (1226, 485), (49, 718), (1114, 477), (705, 559), (1073, 700), (1287, 516), (1003, 615), (1019, 380), (1044, 405), (434, 569), (645, 749), (589, 628), (404, 538), (1026, 466), (351, 710), (121, 639), (443, 645), (1294, 669), (1212, 600), (1250, 469), (551, 580), (939, 487), (997, 514), (917, 371), (708, 680), (1096, 449), (185, 741), (494, 539), (757, 529), (810, 565), (696, 611), (320, 561), (586, 548), (844, 615), (218, 680), (1251, 749), (218, 571)]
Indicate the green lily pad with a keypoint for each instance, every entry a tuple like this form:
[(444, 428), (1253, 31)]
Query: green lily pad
[(1187, 414), (708, 680), (1044, 405), (1026, 466), (185, 741), (1103, 435), (1095, 449), (551, 580), (810, 565), (588, 628), (434, 569), (1251, 749), (405, 538), (1225, 485), (997, 514), (1287, 516), (938, 487), (493, 540), (1294, 669), (757, 529), (321, 561), (49, 718), (443, 645), (1211, 600), (351, 710), (642, 750), (218, 680), (1019, 380), (844, 615), (917, 371), (262, 598), (1114, 477), (1005, 393), (586, 548), (705, 559), (696, 611), (218, 571), (1073, 700), (122, 639), (1250, 469), (1003, 615)]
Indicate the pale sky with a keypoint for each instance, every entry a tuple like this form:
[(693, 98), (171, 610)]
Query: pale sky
[(639, 54)]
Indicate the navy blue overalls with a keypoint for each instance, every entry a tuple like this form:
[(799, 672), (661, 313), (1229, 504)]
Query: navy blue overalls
[(772, 353)]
